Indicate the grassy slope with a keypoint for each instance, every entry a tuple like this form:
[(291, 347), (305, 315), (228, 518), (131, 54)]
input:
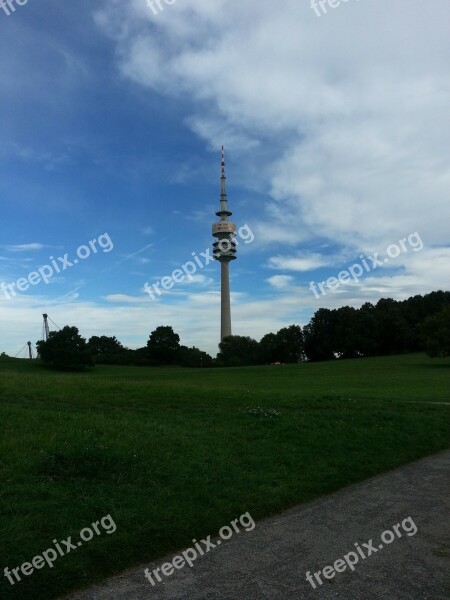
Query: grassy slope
[(173, 454)]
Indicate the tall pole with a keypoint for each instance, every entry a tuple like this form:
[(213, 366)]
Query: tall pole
[(46, 329), (30, 352), (224, 251)]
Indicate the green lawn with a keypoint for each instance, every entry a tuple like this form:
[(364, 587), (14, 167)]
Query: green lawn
[(174, 454)]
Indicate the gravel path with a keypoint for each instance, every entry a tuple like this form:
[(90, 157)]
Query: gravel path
[(270, 562)]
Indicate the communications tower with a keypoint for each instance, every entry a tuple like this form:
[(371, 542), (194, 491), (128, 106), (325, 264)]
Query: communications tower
[(224, 250)]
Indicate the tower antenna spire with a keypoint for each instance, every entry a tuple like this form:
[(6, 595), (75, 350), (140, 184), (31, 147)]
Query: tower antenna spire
[(223, 179)]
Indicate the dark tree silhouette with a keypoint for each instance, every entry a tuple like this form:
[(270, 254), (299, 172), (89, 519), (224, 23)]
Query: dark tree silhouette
[(104, 345), (389, 327), (393, 334), (163, 345), (269, 350), (436, 334), (65, 349), (193, 357), (108, 350), (319, 336), (291, 344), (238, 351)]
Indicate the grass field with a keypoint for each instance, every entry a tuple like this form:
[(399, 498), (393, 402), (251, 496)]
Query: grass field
[(174, 454)]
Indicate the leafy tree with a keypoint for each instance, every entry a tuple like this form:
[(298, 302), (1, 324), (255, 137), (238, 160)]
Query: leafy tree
[(139, 357), (163, 345), (290, 344), (193, 357), (393, 334), (416, 309), (367, 329), (349, 336), (104, 345), (319, 336), (238, 351), (286, 346), (269, 350), (65, 349), (390, 327), (436, 334), (107, 350)]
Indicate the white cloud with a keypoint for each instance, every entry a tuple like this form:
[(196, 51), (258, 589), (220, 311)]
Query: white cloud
[(195, 315), (125, 299), (197, 279), (346, 116), (340, 124), (299, 263), (280, 282), (132, 318), (32, 247)]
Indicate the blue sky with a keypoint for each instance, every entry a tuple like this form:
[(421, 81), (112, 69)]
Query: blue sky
[(112, 118)]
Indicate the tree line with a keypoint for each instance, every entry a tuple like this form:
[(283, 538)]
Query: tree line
[(421, 323)]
